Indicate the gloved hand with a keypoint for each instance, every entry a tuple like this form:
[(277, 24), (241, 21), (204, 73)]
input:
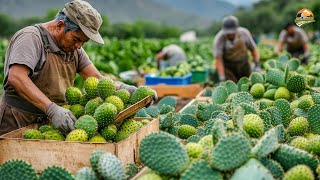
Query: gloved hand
[(129, 88), (61, 118), (222, 77), (305, 58), (154, 98), (257, 67)]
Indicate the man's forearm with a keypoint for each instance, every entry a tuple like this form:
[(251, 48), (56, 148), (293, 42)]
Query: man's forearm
[(280, 47), (158, 63), (29, 91), (219, 67), (255, 56), (90, 71), (305, 47)]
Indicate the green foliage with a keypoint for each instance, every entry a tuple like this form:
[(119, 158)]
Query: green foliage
[(141, 29)]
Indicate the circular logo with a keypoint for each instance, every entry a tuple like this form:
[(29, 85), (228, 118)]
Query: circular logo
[(304, 13), (304, 17)]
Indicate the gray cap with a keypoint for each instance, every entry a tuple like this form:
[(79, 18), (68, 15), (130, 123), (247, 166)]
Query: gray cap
[(88, 18), (230, 24)]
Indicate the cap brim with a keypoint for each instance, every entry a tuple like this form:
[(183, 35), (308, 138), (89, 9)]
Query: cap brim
[(229, 31), (94, 37)]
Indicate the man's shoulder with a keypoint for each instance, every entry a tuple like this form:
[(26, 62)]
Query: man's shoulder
[(219, 35), (169, 48), (28, 31), (244, 30), (29, 36)]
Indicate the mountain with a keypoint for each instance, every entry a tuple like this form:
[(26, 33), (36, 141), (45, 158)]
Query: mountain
[(243, 3), (116, 10), (183, 13), (212, 9), (29, 8), (131, 10)]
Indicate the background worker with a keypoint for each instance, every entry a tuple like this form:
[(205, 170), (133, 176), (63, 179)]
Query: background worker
[(295, 41), (231, 46), (170, 55)]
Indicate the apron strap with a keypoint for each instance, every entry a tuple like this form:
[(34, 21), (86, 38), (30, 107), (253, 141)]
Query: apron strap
[(44, 38)]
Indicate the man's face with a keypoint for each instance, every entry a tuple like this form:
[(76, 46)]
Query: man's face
[(231, 36), (70, 41), (290, 30)]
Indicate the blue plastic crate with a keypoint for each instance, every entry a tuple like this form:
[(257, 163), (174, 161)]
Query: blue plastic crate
[(153, 79)]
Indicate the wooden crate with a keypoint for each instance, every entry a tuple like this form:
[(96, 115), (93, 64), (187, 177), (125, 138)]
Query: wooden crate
[(131, 110), (71, 155), (141, 173), (200, 96), (183, 91), (316, 88)]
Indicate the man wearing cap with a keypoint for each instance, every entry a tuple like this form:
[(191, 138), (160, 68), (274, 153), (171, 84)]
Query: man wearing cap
[(231, 46), (170, 55), (42, 62), (296, 41)]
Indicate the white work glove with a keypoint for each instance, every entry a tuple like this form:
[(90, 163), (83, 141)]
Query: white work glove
[(257, 67), (61, 118), (222, 78), (154, 98)]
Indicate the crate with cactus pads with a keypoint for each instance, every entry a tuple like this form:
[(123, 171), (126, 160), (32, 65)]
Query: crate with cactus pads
[(71, 150)]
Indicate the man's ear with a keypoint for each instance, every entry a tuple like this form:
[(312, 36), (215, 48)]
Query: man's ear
[(60, 25)]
